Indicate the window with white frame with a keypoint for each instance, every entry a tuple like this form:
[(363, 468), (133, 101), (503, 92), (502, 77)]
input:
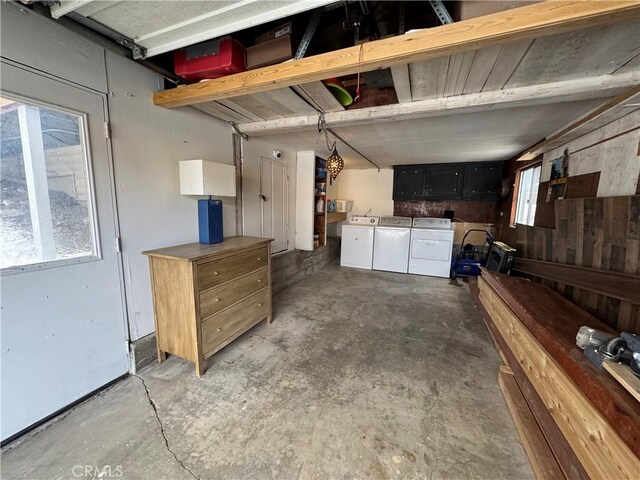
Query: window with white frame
[(528, 195), (46, 211)]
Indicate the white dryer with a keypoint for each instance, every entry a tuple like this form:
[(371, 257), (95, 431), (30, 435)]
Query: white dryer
[(391, 244), (357, 242), (431, 247)]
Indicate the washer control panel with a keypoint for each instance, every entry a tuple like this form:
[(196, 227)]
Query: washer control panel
[(395, 221), (436, 223), (358, 220)]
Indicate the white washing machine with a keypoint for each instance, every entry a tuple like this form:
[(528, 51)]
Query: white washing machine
[(357, 242), (392, 239), (431, 247)]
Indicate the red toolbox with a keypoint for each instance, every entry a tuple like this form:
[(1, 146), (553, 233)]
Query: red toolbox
[(212, 59)]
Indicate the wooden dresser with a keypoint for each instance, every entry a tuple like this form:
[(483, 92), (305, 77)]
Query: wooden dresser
[(206, 296)]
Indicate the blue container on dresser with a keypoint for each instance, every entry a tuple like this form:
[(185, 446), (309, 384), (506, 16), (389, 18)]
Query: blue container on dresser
[(210, 221)]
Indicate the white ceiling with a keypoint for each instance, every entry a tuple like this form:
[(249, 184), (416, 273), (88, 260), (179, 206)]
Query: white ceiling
[(478, 136), (163, 26)]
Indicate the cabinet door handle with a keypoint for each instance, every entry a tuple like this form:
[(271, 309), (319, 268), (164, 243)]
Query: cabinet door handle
[(218, 329), (259, 304), (215, 273), (217, 299), (259, 281)]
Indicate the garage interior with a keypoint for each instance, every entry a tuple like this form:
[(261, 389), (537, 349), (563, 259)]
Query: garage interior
[(320, 239)]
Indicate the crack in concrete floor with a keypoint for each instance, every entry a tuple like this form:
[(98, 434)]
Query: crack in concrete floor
[(161, 427)]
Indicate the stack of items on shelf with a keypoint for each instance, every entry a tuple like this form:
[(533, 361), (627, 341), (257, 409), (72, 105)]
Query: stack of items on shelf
[(320, 224), (574, 420), (212, 59), (226, 56), (273, 47)]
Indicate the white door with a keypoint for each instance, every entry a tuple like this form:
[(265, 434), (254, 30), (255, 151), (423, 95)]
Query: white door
[(63, 322), (391, 249), (357, 247), (274, 192)]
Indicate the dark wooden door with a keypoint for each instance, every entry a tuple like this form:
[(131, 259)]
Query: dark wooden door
[(408, 183), (443, 182), (482, 181)]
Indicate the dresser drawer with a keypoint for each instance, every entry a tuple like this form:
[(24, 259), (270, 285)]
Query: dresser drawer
[(234, 320), (219, 298), (221, 271)]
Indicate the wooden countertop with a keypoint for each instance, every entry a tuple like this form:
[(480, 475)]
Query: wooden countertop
[(191, 252)]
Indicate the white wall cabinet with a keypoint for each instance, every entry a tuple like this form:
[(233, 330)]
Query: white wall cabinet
[(305, 199)]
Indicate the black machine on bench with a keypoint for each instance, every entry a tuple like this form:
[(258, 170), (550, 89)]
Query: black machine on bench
[(493, 255), (500, 258), (599, 346)]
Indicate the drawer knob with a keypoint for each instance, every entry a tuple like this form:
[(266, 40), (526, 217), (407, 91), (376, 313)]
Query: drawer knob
[(215, 273), (218, 329), (259, 281), (259, 258), (259, 304), (217, 299)]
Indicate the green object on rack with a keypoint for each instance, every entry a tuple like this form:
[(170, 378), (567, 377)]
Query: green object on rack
[(339, 92)]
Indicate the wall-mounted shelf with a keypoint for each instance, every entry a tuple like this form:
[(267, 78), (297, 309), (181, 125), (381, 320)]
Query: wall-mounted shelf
[(320, 218), (336, 217), (542, 19)]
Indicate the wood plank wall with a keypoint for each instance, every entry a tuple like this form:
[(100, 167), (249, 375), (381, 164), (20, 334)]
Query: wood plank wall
[(601, 233)]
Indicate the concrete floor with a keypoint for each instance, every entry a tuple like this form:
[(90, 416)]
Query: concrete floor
[(362, 375)]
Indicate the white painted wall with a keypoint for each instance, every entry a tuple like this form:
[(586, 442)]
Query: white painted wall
[(369, 189), (148, 142), (333, 187), (252, 153), (607, 150)]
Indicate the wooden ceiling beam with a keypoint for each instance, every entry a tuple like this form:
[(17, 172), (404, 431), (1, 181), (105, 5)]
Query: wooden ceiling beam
[(531, 21), (557, 92)]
